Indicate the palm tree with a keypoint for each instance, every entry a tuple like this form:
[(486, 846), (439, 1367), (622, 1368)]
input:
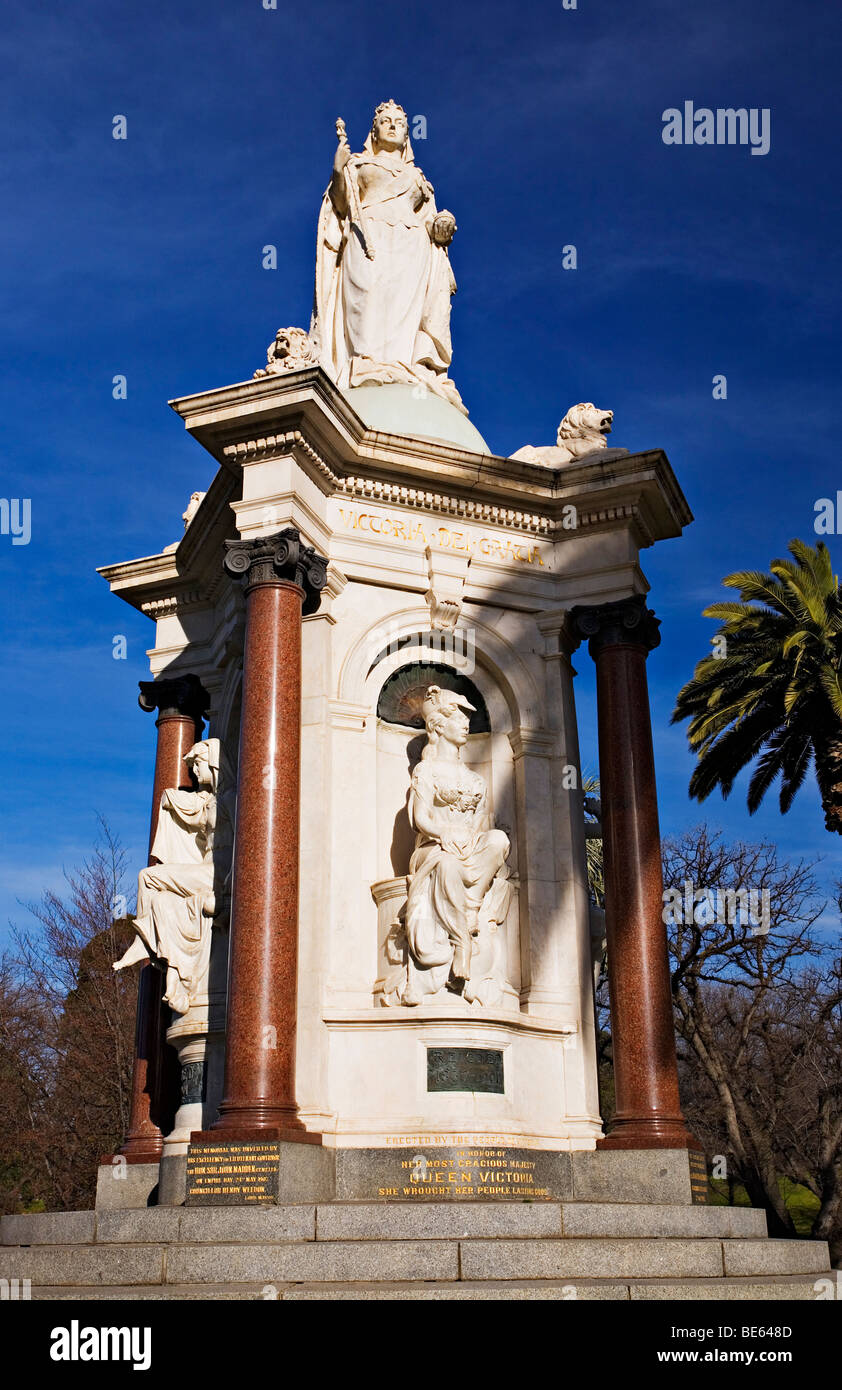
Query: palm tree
[(772, 690), (593, 840)]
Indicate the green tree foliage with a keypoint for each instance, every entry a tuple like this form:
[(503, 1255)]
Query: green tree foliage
[(771, 692)]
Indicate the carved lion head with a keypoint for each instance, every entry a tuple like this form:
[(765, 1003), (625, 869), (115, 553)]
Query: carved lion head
[(585, 421), (291, 342)]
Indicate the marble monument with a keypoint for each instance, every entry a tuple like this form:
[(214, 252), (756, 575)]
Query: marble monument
[(377, 616)]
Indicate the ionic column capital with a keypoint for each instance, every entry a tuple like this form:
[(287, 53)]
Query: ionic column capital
[(626, 622), (281, 558), (184, 696)]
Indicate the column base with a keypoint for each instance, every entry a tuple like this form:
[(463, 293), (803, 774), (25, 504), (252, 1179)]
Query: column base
[(137, 1151), (144, 1146), (645, 1133), (249, 1134), (256, 1120)]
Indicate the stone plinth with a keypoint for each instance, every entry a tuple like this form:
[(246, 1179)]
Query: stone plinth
[(222, 1172), (123, 1185), (284, 1173)]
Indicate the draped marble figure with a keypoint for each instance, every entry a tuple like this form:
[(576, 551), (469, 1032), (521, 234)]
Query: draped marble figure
[(383, 275), (458, 889), (179, 896)]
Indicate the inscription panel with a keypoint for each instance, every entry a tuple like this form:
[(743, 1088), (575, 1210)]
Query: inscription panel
[(232, 1174), (464, 1069), (481, 1173), (698, 1177), (411, 528)]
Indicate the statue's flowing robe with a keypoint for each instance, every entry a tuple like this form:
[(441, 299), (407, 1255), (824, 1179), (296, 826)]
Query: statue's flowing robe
[(444, 887), (173, 894), (385, 319)]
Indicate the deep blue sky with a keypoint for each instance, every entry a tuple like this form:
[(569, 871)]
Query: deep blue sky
[(544, 128)]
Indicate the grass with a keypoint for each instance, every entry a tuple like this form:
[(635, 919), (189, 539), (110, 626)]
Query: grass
[(801, 1203)]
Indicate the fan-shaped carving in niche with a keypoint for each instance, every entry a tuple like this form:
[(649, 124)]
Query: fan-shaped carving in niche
[(402, 695)]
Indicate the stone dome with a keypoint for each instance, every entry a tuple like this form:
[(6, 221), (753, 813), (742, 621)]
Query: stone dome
[(396, 409)]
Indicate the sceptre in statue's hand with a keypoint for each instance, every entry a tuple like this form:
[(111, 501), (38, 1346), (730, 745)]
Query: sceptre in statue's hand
[(344, 179)]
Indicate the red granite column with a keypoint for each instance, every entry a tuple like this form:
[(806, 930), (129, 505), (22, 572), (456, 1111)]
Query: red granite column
[(280, 576), (181, 702), (648, 1112)]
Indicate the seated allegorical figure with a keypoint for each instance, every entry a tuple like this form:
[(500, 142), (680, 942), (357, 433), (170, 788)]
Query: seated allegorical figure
[(458, 889), (179, 896)]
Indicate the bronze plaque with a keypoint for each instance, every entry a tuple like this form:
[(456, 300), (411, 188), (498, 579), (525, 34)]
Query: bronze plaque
[(464, 1069), (698, 1176), (232, 1174)]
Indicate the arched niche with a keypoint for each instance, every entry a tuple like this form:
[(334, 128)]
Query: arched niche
[(480, 651), (401, 739)]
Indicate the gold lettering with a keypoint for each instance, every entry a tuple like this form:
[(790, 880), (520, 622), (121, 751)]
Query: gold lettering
[(411, 531)]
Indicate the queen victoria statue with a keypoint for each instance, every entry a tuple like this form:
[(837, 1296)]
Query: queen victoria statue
[(383, 276), (179, 896), (458, 885)]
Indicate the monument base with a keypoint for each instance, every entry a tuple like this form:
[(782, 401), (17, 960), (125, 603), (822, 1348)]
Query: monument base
[(125, 1186), (276, 1172), (465, 1173), (499, 1174), (172, 1187), (258, 1172)]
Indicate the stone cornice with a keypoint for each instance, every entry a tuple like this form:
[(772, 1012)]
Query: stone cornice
[(552, 524), (443, 1017), (381, 490), (303, 417), (304, 414)]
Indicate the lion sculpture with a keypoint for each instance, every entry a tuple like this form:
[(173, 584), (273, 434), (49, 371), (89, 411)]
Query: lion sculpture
[(581, 432), (290, 350)]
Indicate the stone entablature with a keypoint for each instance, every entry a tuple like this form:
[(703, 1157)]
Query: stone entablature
[(624, 504)]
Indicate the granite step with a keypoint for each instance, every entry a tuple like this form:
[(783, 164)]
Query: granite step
[(491, 1259), (671, 1257), (381, 1221), (783, 1288)]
